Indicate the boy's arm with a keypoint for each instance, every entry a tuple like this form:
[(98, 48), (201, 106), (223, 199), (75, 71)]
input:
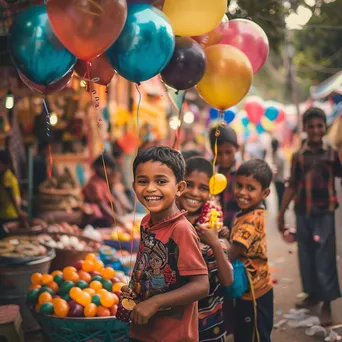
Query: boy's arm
[(236, 251), (195, 289)]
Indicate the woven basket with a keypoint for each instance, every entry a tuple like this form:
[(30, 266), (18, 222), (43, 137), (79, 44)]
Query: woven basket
[(97, 329)]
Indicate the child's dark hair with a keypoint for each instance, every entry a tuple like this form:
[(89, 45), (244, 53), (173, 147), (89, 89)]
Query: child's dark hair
[(312, 113), (107, 158), (190, 154), (165, 155), (258, 169), (198, 164), (227, 135)]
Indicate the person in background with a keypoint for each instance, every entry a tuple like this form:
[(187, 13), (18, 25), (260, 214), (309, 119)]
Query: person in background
[(312, 185), (214, 250), (254, 310), (97, 193), (278, 162), (10, 199), (169, 275), (191, 153)]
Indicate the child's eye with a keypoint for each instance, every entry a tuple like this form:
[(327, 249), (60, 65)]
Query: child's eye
[(250, 188), (142, 181), (204, 188), (238, 186), (161, 181)]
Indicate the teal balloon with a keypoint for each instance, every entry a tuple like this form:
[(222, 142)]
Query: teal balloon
[(260, 129), (35, 50), (145, 46), (272, 113)]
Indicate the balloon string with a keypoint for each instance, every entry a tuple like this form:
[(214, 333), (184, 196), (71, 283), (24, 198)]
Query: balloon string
[(179, 127), (48, 133), (135, 196)]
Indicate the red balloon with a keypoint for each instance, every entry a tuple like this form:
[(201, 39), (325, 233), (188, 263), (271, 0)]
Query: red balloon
[(51, 88), (281, 116), (101, 71), (250, 38), (255, 109), (215, 36), (87, 28)]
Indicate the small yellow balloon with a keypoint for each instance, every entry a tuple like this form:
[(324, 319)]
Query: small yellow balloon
[(267, 124), (194, 17), (217, 183), (227, 78)]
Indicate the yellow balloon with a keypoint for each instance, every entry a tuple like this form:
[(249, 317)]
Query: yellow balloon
[(217, 183), (194, 17), (267, 124), (227, 78)]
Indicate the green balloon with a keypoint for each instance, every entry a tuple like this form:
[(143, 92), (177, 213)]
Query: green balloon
[(32, 295), (107, 285), (82, 284), (66, 297), (96, 300), (46, 289), (66, 286), (58, 279), (97, 277)]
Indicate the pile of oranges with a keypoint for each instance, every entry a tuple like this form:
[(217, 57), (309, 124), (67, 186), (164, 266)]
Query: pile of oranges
[(86, 289)]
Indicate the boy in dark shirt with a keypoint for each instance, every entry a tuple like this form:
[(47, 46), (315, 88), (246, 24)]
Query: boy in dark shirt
[(312, 185)]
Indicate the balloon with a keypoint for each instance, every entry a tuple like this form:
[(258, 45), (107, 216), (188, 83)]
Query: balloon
[(260, 129), (215, 36), (145, 45), (35, 50), (101, 71), (271, 113), (281, 116), (87, 28), (245, 121), (227, 78), (194, 17), (255, 109), (250, 38), (217, 183), (187, 65), (49, 89), (267, 124)]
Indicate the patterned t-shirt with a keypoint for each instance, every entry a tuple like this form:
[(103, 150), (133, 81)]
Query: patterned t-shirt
[(249, 231), (169, 252), (210, 309)]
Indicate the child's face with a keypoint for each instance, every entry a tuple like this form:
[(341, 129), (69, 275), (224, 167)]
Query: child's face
[(156, 187), (315, 129), (226, 155), (196, 192), (249, 192)]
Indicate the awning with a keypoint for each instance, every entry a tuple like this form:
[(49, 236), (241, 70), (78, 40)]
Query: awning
[(331, 85)]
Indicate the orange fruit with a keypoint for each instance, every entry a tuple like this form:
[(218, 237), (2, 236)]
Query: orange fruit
[(47, 278), (102, 311), (117, 287), (83, 298), (88, 266), (84, 276), (99, 265), (33, 287), (107, 300), (116, 299), (113, 310), (91, 257), (61, 308), (96, 285), (90, 291), (53, 286), (56, 300), (72, 276), (54, 273), (108, 273), (90, 310), (36, 279), (74, 292), (69, 269), (102, 292), (44, 298)]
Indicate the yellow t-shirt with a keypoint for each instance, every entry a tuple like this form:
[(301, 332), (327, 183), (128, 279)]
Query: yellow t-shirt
[(249, 231), (8, 183)]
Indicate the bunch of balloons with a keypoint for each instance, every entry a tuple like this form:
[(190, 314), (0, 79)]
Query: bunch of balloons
[(189, 43)]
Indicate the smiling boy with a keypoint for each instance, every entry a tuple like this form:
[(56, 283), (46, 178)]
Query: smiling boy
[(248, 243), (170, 274)]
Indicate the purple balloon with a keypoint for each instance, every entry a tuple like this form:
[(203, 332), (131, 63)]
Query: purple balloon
[(187, 65)]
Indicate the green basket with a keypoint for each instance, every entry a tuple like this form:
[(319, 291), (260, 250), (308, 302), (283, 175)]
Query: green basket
[(97, 329)]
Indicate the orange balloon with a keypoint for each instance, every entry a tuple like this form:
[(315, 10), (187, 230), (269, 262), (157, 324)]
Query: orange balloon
[(227, 78), (87, 28)]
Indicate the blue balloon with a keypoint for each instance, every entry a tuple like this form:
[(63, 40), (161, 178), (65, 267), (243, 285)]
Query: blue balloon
[(272, 113), (245, 121), (35, 50), (228, 116), (260, 129), (145, 46)]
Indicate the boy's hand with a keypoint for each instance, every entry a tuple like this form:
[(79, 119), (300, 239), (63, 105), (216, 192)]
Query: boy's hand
[(127, 292), (209, 236), (224, 232), (143, 311), (281, 223)]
